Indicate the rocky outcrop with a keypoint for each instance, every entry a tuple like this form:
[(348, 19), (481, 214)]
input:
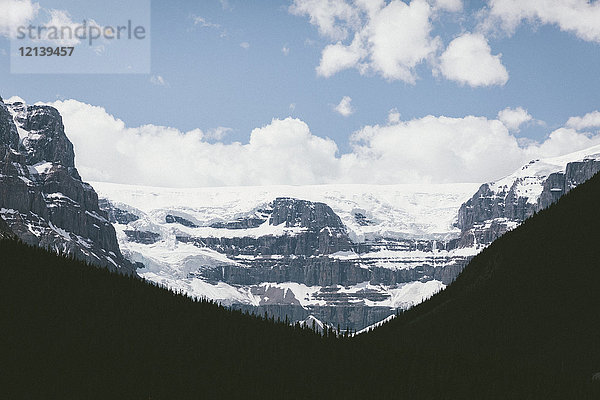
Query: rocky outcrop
[(320, 231), (326, 271), (487, 205), (491, 212), (304, 214), (5, 231), (42, 196), (241, 223), (174, 219), (115, 214), (143, 237)]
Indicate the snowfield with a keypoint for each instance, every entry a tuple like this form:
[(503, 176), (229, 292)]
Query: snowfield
[(394, 211), (391, 211)]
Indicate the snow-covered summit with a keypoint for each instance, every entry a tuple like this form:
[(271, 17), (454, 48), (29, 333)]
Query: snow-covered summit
[(367, 211), (529, 178)]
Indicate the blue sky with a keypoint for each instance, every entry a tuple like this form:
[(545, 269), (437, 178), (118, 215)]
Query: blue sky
[(241, 64)]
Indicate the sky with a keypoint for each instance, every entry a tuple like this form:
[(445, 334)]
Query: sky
[(319, 91)]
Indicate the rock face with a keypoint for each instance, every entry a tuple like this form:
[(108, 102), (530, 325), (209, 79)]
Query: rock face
[(326, 271), (42, 197), (500, 206), (291, 258), (305, 214), (5, 231)]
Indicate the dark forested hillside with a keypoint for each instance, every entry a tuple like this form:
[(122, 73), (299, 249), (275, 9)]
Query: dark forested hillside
[(521, 321), (71, 330), (523, 318)]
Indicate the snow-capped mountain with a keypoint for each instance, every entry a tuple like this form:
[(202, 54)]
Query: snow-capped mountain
[(43, 200), (347, 254), (344, 254), (501, 205)]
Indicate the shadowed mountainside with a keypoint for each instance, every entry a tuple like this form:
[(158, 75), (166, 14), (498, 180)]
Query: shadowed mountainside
[(521, 321)]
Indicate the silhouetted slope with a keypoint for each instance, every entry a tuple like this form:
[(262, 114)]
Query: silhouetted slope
[(521, 321), (523, 317), (75, 331)]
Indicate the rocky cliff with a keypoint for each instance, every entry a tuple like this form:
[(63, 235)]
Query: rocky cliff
[(42, 197), (500, 206), (289, 257)]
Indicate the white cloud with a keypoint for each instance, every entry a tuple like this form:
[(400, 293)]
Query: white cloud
[(443, 149), (16, 13), (331, 17), (338, 57), (448, 5), (393, 116), (576, 16), (344, 107), (513, 118), (203, 22), (158, 80), (285, 50), (292, 107), (468, 60), (283, 151), (399, 36), (245, 45), (217, 133), (563, 141), (390, 39), (428, 149), (60, 19), (589, 120)]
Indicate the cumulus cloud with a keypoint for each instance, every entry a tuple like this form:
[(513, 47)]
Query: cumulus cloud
[(344, 107), (62, 18), (513, 118), (390, 39), (449, 5), (16, 13), (285, 50), (589, 120), (245, 45), (331, 17), (428, 149), (399, 38), (338, 57), (579, 17), (283, 151), (443, 149), (563, 141), (393, 116), (468, 60), (217, 133)]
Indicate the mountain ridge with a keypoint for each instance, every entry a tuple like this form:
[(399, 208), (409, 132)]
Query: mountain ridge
[(42, 197), (487, 336)]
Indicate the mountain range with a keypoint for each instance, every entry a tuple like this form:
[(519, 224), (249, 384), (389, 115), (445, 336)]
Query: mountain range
[(520, 321), (343, 255)]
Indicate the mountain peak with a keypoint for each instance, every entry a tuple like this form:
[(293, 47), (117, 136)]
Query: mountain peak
[(41, 134), (42, 197)]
